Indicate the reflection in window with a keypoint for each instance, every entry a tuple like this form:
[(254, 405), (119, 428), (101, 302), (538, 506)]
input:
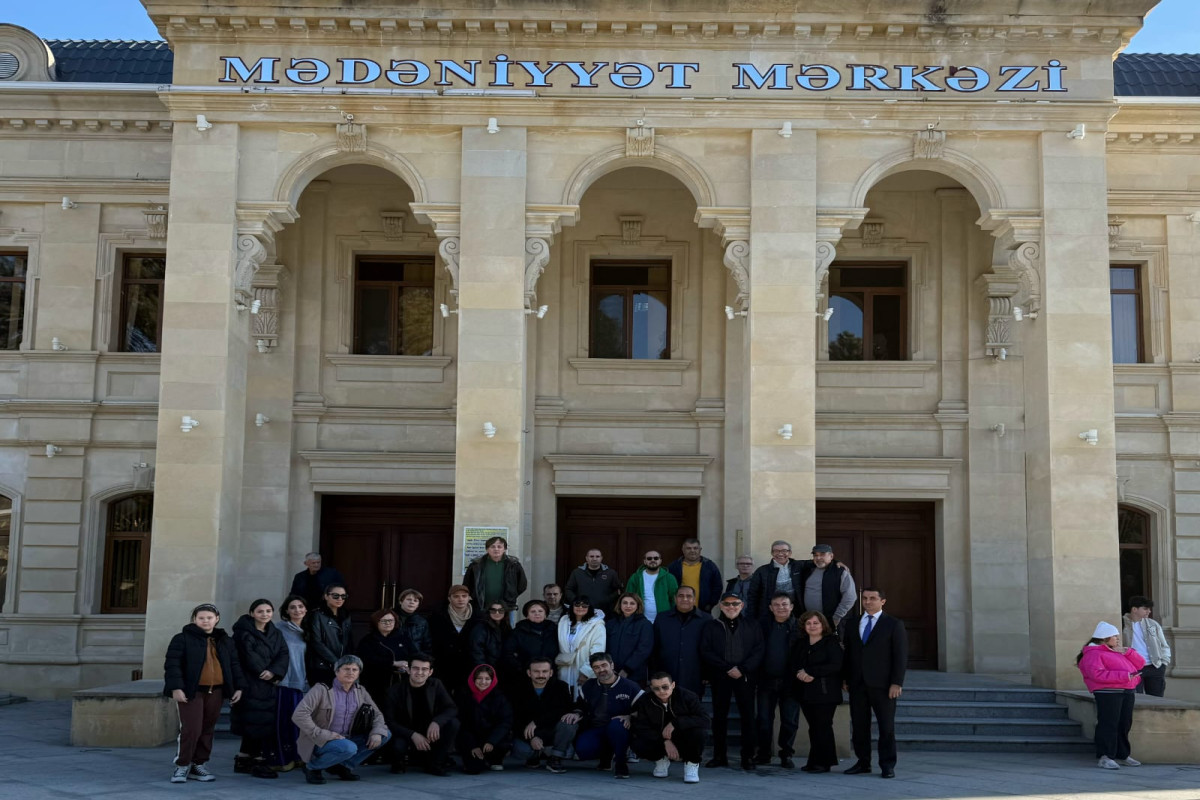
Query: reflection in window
[(630, 310), (1133, 535), (142, 279), (5, 540), (127, 555), (1125, 294), (12, 300), (868, 302), (393, 310)]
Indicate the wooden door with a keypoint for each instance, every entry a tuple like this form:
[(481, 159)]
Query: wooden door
[(623, 528), (384, 544), (890, 546)]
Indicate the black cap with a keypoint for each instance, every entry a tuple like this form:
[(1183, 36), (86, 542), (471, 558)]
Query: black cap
[(822, 548), (728, 595)]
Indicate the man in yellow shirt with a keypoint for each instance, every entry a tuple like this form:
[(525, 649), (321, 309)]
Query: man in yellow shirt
[(700, 573)]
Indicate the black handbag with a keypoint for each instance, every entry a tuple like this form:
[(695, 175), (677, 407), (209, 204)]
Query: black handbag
[(364, 721)]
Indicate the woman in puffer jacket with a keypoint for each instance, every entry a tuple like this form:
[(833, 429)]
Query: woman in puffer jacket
[(1111, 673), (264, 658)]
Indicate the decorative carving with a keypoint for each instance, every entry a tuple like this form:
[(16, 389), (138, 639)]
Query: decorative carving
[(1114, 232), (448, 250), (156, 222), (929, 143), (999, 287), (251, 255), (872, 232), (825, 254), (737, 261), (1024, 259), (143, 476), (393, 223), (265, 324), (631, 228), (639, 142), (351, 136), (537, 256)]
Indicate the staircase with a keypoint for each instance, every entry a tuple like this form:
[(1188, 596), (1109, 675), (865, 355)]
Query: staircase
[(8, 699)]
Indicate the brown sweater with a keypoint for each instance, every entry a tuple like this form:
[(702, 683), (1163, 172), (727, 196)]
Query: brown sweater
[(210, 673)]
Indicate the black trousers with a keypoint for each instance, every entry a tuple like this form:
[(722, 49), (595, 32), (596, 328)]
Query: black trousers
[(689, 742), (1114, 717), (1154, 680), (772, 693), (740, 691), (822, 748), (865, 701), (438, 753)]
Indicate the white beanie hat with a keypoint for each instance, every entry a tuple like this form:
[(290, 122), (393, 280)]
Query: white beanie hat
[(1105, 630)]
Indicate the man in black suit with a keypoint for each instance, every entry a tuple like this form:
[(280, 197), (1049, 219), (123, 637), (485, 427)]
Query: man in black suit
[(876, 657)]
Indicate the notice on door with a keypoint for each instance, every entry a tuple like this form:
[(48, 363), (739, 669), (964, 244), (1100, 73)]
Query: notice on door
[(475, 541)]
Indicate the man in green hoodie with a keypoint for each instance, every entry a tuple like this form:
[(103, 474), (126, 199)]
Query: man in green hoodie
[(654, 585)]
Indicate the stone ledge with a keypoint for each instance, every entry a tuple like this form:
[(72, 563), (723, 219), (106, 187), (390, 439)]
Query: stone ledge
[(131, 714), (1164, 731)]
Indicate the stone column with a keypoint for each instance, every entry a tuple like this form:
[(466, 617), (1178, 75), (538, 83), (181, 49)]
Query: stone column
[(1070, 485), (780, 341), (491, 336), (198, 486)]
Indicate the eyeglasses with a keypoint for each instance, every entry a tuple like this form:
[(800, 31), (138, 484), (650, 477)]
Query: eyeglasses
[(781, 550), (581, 604), (731, 603), (387, 621), (495, 610), (333, 596)]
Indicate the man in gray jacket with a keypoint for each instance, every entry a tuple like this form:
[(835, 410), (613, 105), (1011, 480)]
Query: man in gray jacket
[(1146, 637), (594, 580)]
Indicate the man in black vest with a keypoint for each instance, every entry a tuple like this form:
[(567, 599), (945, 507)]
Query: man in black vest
[(876, 658), (826, 586)]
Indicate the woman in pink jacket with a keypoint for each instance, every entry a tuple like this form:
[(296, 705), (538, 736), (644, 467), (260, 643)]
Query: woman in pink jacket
[(1111, 673)]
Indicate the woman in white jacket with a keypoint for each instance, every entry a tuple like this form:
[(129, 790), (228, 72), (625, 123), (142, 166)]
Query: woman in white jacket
[(580, 634)]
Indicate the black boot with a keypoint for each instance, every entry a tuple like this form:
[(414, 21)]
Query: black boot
[(313, 775), (243, 765)]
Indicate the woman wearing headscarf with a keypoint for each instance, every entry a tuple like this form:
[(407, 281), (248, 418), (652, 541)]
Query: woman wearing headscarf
[(328, 635), (1111, 673), (485, 722), (293, 686), (487, 638), (533, 637), (630, 638), (580, 633), (263, 654)]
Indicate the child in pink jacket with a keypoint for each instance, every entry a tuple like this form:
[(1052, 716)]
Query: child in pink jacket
[(1111, 673)]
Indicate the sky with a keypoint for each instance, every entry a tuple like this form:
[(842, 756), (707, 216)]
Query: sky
[(1172, 27)]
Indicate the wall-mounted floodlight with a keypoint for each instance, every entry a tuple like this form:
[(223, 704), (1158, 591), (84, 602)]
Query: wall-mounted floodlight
[(786, 130), (187, 423), (730, 313), (1078, 132), (489, 430), (52, 450), (261, 419), (827, 314), (492, 127), (68, 203), (202, 123), (1091, 436), (447, 310), (785, 431), (57, 346)]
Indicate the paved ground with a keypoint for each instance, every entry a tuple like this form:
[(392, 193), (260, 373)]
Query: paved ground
[(37, 762)]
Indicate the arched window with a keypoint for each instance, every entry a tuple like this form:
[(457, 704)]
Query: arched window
[(127, 555), (1133, 533), (5, 534)]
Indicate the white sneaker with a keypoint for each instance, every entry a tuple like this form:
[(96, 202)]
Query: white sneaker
[(691, 772), (662, 768), (1130, 761), (180, 774), (199, 772), (1108, 763)]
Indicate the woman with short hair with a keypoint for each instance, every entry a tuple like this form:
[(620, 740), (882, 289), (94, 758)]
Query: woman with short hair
[(533, 637), (413, 628), (1111, 673), (293, 686), (580, 633), (817, 664), (328, 635), (340, 725), (383, 654), (263, 654)]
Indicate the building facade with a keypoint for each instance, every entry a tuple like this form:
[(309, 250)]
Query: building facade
[(383, 283)]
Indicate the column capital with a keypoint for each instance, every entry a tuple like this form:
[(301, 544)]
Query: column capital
[(731, 223), (831, 224), (545, 220), (1012, 226), (446, 221)]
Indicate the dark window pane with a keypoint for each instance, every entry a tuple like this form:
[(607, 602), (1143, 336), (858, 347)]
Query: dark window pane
[(380, 271), (846, 326), (145, 268), (608, 326), (419, 272), (1134, 573), (621, 276), (125, 580), (12, 265), (886, 326), (1131, 527), (415, 323), (12, 314), (126, 555), (373, 335), (1125, 331), (131, 515), (5, 531), (141, 315), (1122, 278), (650, 325), (869, 277)]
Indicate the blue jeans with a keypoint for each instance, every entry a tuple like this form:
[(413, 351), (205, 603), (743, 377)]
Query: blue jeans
[(612, 739), (349, 752)]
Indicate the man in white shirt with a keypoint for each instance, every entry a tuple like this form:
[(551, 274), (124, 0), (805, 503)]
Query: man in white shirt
[(653, 584), (1146, 636)]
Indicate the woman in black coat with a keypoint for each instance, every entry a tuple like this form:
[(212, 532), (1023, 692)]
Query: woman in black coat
[(328, 636), (263, 654), (630, 638), (383, 654), (487, 637), (817, 661), (486, 719), (412, 627), (533, 637)]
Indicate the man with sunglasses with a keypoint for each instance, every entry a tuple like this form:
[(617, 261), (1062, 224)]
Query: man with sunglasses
[(731, 648), (654, 585), (669, 724)]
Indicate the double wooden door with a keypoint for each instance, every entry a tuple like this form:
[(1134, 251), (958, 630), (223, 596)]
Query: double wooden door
[(384, 544), (623, 528), (890, 546)]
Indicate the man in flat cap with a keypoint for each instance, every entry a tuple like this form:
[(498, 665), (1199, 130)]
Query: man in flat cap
[(826, 586)]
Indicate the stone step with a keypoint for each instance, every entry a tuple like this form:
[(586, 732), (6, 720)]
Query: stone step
[(966, 694), (987, 726), (8, 699), (994, 744), (933, 708)]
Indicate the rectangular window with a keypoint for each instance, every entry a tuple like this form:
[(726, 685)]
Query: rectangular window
[(870, 309), (142, 277), (393, 306), (127, 555), (12, 300), (630, 309), (1125, 292)]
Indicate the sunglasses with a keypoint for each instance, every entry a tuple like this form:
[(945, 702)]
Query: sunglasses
[(495, 610), (654, 558), (731, 603), (578, 604), (333, 596)]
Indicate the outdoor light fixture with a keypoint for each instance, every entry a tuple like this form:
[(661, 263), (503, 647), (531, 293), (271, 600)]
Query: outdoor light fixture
[(261, 419), (447, 310), (785, 431), (68, 203), (492, 126), (262, 345), (730, 313), (826, 315), (202, 124), (255, 306), (187, 423), (540, 311), (1092, 437), (1019, 314), (489, 430), (52, 450), (57, 346), (998, 429), (1078, 132), (786, 130)]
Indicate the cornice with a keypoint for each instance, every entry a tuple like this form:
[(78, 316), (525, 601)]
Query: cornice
[(1152, 142), (85, 190), (85, 128)]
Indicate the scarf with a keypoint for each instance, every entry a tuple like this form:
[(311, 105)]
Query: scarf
[(460, 620), (475, 691)]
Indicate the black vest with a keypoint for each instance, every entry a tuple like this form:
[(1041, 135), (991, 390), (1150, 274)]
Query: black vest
[(831, 587)]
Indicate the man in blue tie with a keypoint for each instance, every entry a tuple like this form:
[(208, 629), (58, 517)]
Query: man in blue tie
[(876, 658)]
